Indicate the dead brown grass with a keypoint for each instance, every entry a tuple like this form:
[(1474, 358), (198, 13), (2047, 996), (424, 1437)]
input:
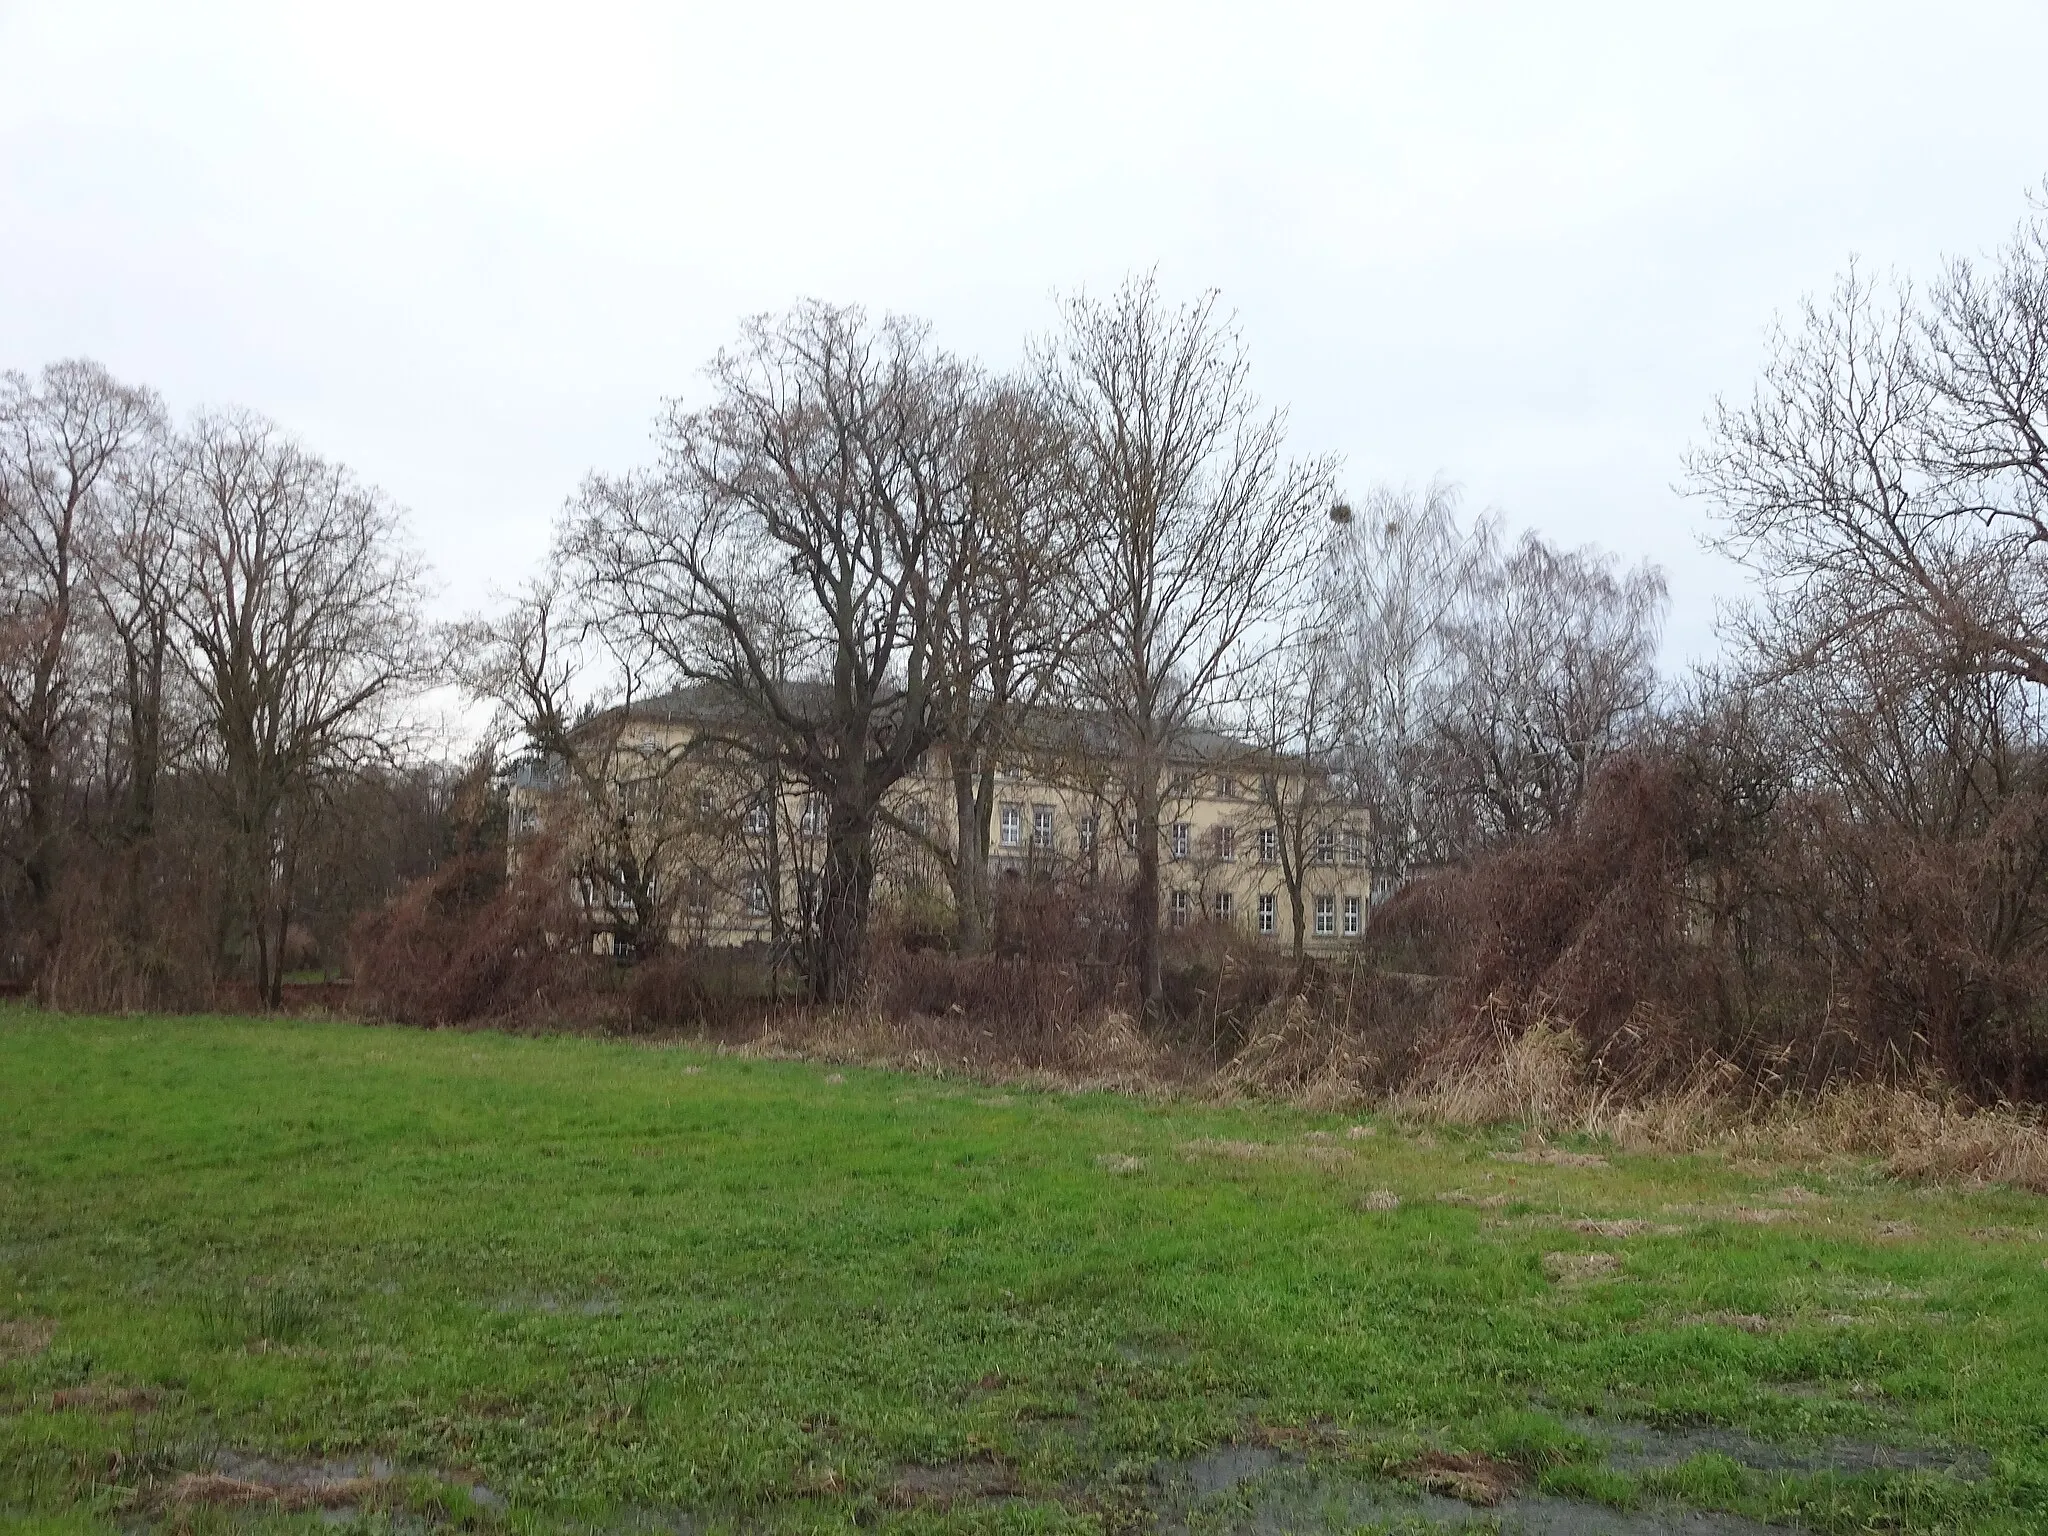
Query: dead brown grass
[(26, 1337), (1474, 1478)]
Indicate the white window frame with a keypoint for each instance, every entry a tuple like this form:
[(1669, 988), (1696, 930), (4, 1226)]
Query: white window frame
[(757, 897), (1086, 832), (1010, 826), (1354, 846), (1183, 835), (1226, 907), (1352, 917), (1269, 845), (1269, 912), (1326, 845), (1326, 917), (1041, 828), (1179, 908), (1226, 844)]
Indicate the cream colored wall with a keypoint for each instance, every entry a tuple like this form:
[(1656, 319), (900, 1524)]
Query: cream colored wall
[(1207, 802)]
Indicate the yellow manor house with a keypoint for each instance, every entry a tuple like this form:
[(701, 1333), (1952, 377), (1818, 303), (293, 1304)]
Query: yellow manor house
[(664, 828)]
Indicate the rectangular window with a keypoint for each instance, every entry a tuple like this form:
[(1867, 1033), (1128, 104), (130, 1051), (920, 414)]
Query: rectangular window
[(757, 898), (1326, 916), (1269, 845), (1326, 846), (1087, 833), (1041, 828), (1354, 846), (1226, 845), (1269, 912), (814, 815), (1182, 783), (757, 820), (1351, 916), (1180, 909), (1011, 826), (1226, 906), (1226, 787), (918, 814), (1181, 834)]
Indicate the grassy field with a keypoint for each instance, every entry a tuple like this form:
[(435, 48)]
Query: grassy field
[(265, 1274)]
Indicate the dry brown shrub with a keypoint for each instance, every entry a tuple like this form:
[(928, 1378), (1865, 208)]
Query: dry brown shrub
[(1535, 1079), (467, 943)]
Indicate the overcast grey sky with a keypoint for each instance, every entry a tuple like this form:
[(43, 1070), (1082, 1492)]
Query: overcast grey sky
[(468, 249)]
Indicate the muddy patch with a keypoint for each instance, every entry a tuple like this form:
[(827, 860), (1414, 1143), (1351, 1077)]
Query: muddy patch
[(104, 1397), (339, 1487), (950, 1483)]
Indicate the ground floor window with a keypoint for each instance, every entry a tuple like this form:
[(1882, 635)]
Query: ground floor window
[(1268, 912), (1351, 917), (1226, 906), (1180, 909), (1326, 916)]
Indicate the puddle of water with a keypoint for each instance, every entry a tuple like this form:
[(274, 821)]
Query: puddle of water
[(1253, 1491), (1641, 1448)]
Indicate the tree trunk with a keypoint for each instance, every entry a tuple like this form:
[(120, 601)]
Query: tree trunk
[(844, 896), (970, 865), (1145, 892)]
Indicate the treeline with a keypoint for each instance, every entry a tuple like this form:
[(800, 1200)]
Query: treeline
[(1827, 854), (209, 639)]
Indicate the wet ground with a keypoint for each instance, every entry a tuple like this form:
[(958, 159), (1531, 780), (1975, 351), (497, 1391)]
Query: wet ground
[(1256, 1490)]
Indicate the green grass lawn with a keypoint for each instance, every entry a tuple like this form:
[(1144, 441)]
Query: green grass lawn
[(249, 1268)]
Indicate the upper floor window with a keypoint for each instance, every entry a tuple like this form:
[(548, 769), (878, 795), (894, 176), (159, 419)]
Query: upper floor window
[(757, 898), (1226, 906), (1226, 845), (1181, 836), (1086, 832), (1226, 787), (1010, 826), (1183, 782), (1041, 828), (1326, 845), (1354, 846), (1269, 845), (757, 820)]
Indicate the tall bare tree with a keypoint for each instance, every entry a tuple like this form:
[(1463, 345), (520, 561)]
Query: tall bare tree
[(1556, 670), (1894, 460), (300, 632), (1016, 614), (1203, 536), (1397, 588), (796, 552), (63, 437)]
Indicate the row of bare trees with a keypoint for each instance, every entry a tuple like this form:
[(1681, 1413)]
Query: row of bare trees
[(207, 635)]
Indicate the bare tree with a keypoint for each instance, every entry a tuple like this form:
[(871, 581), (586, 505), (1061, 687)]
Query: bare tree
[(1016, 614), (62, 440), (796, 552), (1304, 800), (299, 632), (1556, 670), (1202, 536), (1894, 461), (1397, 588), (635, 799)]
